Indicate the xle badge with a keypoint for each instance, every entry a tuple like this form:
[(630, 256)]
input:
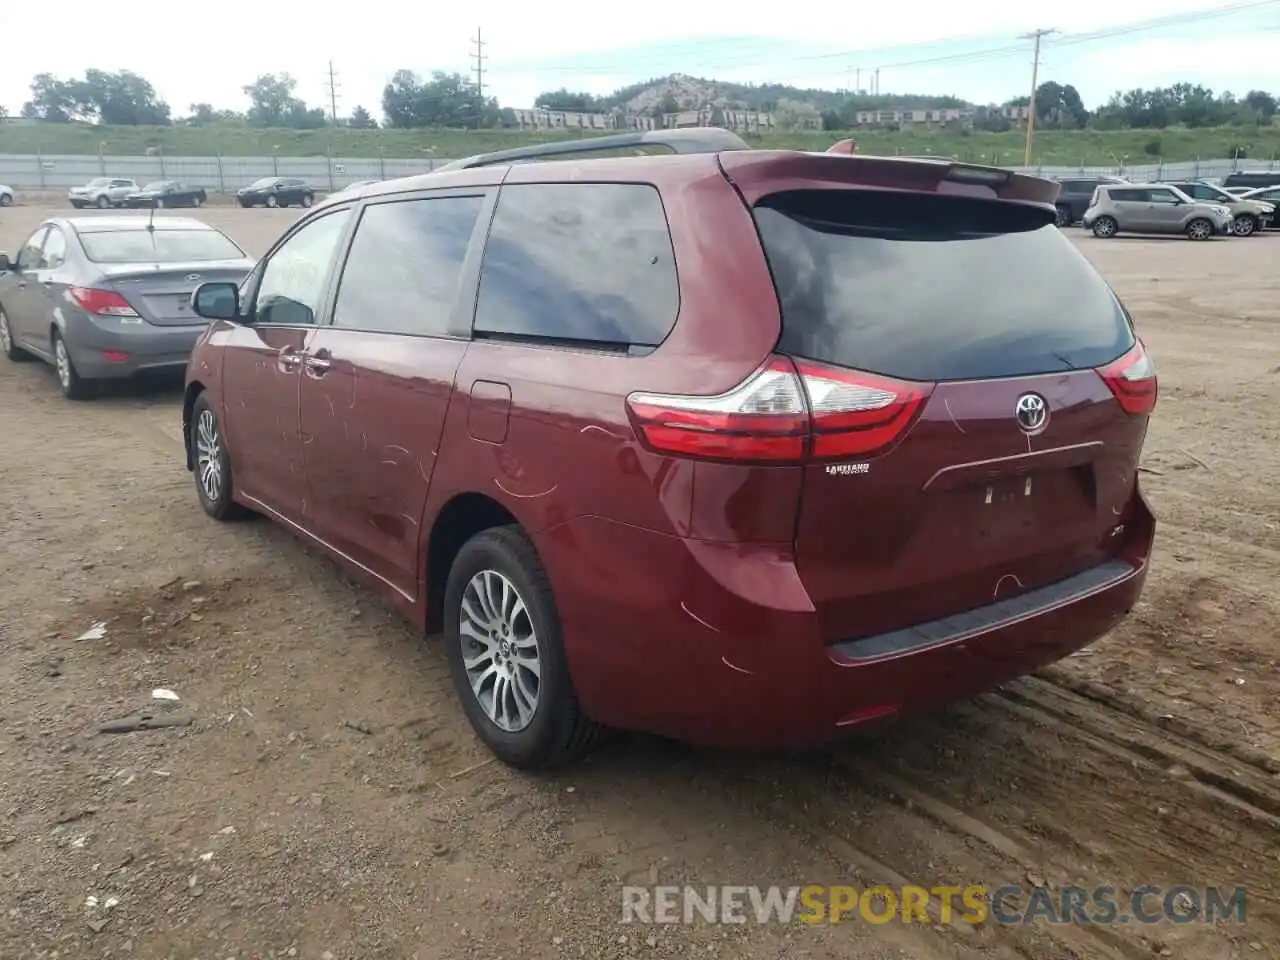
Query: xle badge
[(847, 469)]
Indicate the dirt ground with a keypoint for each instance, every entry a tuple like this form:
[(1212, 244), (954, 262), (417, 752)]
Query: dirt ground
[(329, 801)]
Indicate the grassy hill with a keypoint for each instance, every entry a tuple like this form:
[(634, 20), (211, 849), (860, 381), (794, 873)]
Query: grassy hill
[(1053, 147)]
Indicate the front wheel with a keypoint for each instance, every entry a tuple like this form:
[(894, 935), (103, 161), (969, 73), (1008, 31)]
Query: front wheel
[(159, 204), (196, 201), (1200, 229), (506, 654), (7, 346), (307, 200), (1105, 227), (6, 199), (272, 201), (1063, 218), (104, 202), (1245, 226), (212, 463)]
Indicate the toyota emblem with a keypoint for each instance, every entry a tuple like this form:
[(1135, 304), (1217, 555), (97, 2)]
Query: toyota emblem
[(1032, 412)]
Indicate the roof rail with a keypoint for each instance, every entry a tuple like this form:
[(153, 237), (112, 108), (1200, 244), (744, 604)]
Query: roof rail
[(685, 140)]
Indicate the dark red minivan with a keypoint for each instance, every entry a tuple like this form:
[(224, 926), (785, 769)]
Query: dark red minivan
[(739, 446)]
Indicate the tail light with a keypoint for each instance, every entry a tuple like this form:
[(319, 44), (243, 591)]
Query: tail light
[(1132, 379), (786, 412), (103, 303)]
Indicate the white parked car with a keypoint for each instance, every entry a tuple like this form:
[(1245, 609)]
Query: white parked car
[(6, 196)]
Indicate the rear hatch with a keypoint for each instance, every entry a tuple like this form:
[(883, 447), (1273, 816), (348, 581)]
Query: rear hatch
[(984, 391), (161, 293)]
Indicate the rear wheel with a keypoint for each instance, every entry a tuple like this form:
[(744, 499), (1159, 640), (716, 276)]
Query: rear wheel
[(272, 201), (74, 387), (1246, 225), (196, 201), (1105, 227), (506, 654), (104, 202), (306, 200), (7, 346), (159, 204), (6, 199), (1200, 229)]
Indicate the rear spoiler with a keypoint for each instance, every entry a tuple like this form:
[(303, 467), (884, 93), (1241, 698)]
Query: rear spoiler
[(759, 172)]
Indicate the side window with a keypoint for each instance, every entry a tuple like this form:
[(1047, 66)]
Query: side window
[(293, 282), (29, 255), (1161, 196), (55, 249), (579, 263), (1127, 196), (405, 262)]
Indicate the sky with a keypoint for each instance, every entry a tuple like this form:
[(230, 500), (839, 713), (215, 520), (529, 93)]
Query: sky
[(968, 49)]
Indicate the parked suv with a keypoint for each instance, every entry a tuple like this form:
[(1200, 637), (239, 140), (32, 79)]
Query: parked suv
[(1250, 216), (102, 192), (1074, 198), (1253, 179), (1154, 208), (697, 444)]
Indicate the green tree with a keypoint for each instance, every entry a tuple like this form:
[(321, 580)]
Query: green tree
[(445, 100), (563, 99), (361, 119), (122, 99), (275, 105), (54, 100)]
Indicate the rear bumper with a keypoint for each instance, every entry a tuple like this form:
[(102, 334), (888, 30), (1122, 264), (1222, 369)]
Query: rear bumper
[(147, 347), (720, 645)]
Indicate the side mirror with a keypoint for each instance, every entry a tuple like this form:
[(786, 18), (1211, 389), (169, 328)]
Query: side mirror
[(5, 263), (217, 300)]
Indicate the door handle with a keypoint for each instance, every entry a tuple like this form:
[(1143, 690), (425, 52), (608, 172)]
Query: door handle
[(318, 364), (288, 358)]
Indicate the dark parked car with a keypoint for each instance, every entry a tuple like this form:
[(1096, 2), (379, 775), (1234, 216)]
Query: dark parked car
[(110, 296), (1252, 178), (1075, 196), (166, 193), (698, 443), (1266, 195), (276, 192)]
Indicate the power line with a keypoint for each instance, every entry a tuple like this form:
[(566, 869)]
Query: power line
[(333, 85), (1037, 36)]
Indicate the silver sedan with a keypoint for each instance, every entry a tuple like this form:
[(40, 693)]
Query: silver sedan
[(106, 297)]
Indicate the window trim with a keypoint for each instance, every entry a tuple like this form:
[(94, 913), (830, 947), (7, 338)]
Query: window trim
[(462, 313), (249, 290), (43, 232), (66, 247), (565, 345)]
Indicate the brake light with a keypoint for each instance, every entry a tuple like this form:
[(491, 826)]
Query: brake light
[(786, 412), (1132, 379), (103, 303)]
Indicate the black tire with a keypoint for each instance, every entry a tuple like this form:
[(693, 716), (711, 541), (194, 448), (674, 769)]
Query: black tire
[(557, 732), (103, 202), (1063, 218), (7, 346), (73, 386), (220, 505), (272, 200), (1105, 227), (307, 200), (6, 200), (1246, 225), (1201, 228)]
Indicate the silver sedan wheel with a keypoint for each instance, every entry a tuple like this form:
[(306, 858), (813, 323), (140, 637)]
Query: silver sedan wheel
[(500, 650), (6, 341), (62, 361), (209, 456)]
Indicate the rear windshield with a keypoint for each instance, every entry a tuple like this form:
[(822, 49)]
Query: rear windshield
[(160, 246), (935, 288)]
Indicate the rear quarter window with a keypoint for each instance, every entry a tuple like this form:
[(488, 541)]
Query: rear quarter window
[(586, 264), (932, 288)]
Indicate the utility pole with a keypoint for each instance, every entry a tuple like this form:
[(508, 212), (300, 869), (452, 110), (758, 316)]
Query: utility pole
[(333, 94), (857, 83), (875, 83), (479, 57), (1035, 35)]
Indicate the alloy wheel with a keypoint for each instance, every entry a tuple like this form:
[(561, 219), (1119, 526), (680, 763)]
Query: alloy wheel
[(500, 650), (6, 341), (209, 456), (62, 362)]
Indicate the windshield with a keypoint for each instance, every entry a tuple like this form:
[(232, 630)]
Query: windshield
[(157, 186), (264, 182), (98, 182), (160, 246)]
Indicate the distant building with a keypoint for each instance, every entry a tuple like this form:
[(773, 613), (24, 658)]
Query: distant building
[(538, 118)]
